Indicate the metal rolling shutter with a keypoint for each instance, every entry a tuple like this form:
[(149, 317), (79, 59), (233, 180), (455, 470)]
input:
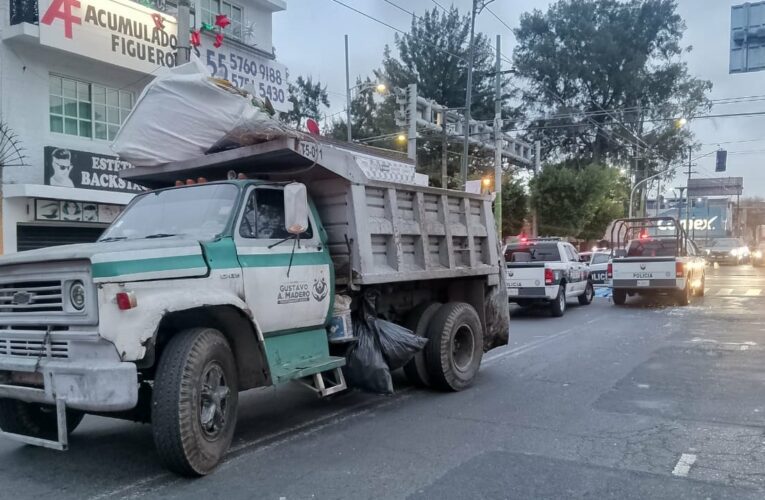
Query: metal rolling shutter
[(30, 237)]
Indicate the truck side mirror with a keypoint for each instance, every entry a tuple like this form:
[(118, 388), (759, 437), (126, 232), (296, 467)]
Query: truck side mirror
[(295, 208)]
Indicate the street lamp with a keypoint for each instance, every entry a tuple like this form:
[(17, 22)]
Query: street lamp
[(379, 87), (401, 138), (681, 122)]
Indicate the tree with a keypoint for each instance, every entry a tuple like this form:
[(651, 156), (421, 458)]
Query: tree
[(601, 71), (515, 206), (577, 202), (308, 99), (433, 54)]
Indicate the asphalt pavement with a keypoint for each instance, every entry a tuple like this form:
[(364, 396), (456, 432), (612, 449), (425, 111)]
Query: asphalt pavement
[(649, 400)]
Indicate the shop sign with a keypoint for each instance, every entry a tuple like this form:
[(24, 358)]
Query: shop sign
[(75, 211), (119, 32), (82, 169)]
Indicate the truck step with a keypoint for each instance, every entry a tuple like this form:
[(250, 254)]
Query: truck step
[(62, 444), (325, 383)]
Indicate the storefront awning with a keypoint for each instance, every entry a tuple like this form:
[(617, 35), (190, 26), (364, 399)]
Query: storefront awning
[(65, 193)]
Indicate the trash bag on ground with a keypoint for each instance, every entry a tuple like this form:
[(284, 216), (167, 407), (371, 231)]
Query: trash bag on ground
[(381, 346), (398, 344)]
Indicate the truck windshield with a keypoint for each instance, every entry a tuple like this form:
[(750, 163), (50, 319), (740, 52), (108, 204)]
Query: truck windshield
[(533, 252), (724, 243), (200, 212)]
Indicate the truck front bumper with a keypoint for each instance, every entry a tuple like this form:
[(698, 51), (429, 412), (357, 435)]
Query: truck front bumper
[(90, 378)]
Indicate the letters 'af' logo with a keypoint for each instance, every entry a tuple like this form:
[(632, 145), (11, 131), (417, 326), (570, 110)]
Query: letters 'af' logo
[(62, 9), (319, 289)]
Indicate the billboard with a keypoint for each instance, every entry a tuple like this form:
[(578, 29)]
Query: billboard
[(716, 186), (704, 222), (747, 37)]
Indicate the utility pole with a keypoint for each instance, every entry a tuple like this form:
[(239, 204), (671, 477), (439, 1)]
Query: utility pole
[(688, 190), (468, 97), (347, 93), (444, 149), (183, 50), (658, 197), (411, 145), (537, 168), (498, 139)]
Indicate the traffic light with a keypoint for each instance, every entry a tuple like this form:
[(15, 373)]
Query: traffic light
[(722, 160)]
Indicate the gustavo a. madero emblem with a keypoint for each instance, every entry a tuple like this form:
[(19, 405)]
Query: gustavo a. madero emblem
[(319, 289)]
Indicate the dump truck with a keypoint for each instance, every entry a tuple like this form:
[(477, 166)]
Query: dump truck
[(222, 277)]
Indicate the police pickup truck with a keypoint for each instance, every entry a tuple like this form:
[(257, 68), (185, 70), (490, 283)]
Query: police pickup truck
[(654, 265), (546, 271)]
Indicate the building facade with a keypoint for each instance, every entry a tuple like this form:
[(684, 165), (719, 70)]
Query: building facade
[(70, 73)]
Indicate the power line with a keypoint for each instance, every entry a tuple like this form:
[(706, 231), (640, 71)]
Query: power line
[(499, 19), (375, 19)]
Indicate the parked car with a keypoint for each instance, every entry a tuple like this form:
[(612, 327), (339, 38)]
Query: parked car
[(598, 264), (547, 271), (758, 255), (727, 251)]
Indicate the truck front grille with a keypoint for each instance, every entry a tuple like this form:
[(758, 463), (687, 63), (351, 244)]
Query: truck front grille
[(34, 348), (31, 297)]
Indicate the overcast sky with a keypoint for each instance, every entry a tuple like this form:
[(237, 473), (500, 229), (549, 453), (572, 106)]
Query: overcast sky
[(309, 39)]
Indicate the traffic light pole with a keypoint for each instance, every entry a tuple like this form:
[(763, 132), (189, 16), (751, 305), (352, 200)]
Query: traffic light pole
[(498, 140), (468, 98)]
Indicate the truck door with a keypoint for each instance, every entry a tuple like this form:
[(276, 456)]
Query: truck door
[(282, 295), (577, 271)]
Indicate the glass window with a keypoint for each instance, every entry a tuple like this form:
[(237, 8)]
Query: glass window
[(235, 13), (87, 110), (600, 258), (533, 252), (264, 216), (198, 212)]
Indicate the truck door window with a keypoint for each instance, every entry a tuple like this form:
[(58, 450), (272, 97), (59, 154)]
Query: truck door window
[(263, 216)]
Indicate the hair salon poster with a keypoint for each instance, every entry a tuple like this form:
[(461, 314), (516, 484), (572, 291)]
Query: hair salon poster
[(81, 169)]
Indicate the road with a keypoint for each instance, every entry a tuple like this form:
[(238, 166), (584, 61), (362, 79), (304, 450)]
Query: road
[(643, 401)]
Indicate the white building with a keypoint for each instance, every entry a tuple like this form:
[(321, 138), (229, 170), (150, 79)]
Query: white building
[(71, 70)]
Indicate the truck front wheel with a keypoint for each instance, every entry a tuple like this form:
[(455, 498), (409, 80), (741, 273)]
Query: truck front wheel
[(194, 403), (35, 420), (453, 353)]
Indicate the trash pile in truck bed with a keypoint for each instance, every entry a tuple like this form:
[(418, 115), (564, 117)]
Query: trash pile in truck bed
[(185, 113)]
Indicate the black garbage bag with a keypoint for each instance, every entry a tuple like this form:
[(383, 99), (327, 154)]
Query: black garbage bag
[(366, 367), (381, 346), (398, 344)]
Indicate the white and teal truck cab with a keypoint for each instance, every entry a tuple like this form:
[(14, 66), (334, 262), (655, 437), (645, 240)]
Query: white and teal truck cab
[(202, 290)]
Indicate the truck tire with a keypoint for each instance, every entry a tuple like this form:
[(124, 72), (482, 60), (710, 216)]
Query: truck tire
[(36, 420), (684, 295), (558, 306), (619, 297), (194, 404), (701, 290), (454, 351), (418, 320), (589, 293)]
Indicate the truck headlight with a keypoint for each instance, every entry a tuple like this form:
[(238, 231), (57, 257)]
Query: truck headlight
[(757, 254), (734, 252), (77, 295)]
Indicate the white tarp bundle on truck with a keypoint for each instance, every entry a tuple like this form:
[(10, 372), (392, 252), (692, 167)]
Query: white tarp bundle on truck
[(185, 113)]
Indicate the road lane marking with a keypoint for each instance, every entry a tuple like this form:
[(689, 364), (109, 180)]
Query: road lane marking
[(753, 292), (683, 466), (724, 291)]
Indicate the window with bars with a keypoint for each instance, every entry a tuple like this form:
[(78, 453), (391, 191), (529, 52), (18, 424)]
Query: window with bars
[(87, 109), (211, 8)]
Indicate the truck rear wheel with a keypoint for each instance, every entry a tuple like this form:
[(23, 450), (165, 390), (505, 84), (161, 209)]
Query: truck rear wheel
[(589, 293), (620, 297), (454, 351), (194, 404), (35, 420), (684, 295), (558, 305), (418, 320)]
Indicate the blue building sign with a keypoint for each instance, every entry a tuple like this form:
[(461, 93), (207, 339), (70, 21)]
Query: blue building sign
[(705, 222)]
